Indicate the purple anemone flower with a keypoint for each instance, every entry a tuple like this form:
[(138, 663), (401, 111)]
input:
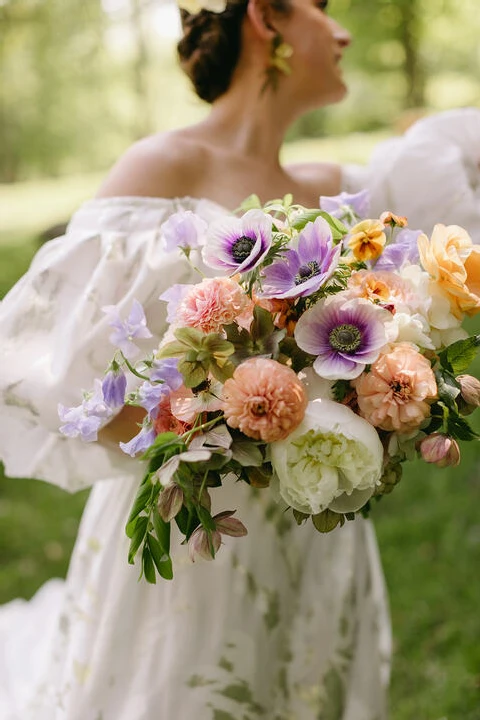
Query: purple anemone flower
[(125, 331), (404, 250), (183, 230), (303, 271), (346, 207), (345, 335), (140, 442), (85, 420), (238, 244)]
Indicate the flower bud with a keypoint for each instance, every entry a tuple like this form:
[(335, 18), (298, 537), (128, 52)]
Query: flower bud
[(203, 544), (388, 218), (469, 399), (170, 502), (392, 474), (440, 450)]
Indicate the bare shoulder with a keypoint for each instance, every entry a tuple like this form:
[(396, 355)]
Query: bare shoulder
[(317, 178), (163, 165)]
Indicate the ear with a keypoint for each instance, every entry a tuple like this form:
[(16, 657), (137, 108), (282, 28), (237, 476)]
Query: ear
[(258, 12)]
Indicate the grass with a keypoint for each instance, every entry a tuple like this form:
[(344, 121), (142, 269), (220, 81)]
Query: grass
[(428, 531)]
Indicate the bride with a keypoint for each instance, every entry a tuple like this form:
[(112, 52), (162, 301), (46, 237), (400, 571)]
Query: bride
[(286, 624)]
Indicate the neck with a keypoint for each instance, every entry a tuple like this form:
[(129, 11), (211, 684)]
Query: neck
[(252, 122)]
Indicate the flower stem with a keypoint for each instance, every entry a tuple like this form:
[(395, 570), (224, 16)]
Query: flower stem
[(132, 369)]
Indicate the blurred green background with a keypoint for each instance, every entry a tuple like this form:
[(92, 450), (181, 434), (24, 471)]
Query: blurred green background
[(78, 83)]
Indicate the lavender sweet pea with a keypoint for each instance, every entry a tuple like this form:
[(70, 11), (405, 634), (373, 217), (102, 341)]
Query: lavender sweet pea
[(402, 251), (85, 420), (238, 244), (140, 442), (303, 271), (349, 208), (113, 387), (184, 230), (345, 336), (125, 331)]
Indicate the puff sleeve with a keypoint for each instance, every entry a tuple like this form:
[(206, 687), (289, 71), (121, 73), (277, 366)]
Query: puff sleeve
[(431, 174), (54, 334)]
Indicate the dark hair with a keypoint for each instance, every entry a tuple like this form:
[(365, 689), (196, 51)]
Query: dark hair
[(210, 46)]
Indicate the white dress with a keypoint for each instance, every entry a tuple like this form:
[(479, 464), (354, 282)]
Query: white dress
[(285, 624)]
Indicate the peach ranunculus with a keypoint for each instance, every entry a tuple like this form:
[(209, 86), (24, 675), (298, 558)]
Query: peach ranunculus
[(264, 399), (382, 287), (166, 421), (212, 303), (396, 394), (367, 240), (453, 262)]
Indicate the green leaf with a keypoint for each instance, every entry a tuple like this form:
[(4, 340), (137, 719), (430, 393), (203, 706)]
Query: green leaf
[(341, 389), (218, 346), (162, 531), (138, 536), (162, 561), (206, 519), (252, 202), (457, 357), (247, 453), (148, 566), (222, 371), (448, 388), (327, 521), (262, 325), (460, 429), (259, 477), (339, 230), (193, 373), (191, 337), (173, 349), (141, 501), (300, 517)]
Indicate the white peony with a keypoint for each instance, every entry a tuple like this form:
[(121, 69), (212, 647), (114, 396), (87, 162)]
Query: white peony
[(333, 460)]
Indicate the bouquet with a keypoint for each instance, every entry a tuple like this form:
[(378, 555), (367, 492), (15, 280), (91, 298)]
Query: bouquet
[(321, 351)]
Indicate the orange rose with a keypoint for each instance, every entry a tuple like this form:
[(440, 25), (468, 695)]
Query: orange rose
[(453, 262)]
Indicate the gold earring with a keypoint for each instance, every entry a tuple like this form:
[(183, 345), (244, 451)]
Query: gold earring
[(278, 64)]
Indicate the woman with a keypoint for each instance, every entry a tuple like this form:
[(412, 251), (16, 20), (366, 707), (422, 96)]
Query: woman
[(285, 624)]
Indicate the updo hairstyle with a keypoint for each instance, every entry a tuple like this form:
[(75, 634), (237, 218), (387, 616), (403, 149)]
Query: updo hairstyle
[(210, 47)]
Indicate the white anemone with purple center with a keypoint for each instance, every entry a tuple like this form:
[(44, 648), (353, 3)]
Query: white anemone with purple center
[(344, 335), (238, 244)]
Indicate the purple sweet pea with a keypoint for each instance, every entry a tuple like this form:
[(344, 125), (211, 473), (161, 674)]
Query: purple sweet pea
[(113, 387), (140, 442), (238, 244), (173, 297), (183, 230), (167, 371), (303, 271), (345, 335), (85, 420), (346, 207), (125, 331), (400, 252), (149, 395)]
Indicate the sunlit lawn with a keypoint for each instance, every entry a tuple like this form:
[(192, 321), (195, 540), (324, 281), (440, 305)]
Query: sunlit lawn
[(429, 530)]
